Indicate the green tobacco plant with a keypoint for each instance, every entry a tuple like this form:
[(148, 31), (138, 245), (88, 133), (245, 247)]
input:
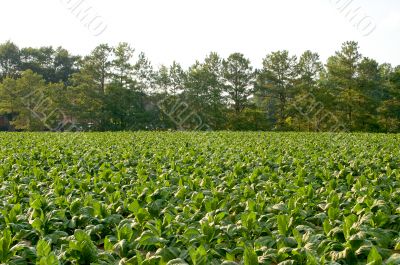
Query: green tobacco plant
[(199, 198)]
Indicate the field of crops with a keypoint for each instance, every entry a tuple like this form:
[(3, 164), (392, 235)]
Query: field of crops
[(199, 198)]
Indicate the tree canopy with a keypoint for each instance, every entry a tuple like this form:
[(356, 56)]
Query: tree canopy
[(117, 88)]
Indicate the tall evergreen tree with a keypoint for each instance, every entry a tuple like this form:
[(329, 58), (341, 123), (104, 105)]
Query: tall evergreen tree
[(342, 73), (10, 60), (276, 82)]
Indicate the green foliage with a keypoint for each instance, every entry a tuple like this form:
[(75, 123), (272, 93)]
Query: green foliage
[(250, 256), (118, 89), (44, 254), (199, 198)]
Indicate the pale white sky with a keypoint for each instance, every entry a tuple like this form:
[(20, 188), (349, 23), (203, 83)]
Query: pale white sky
[(186, 30)]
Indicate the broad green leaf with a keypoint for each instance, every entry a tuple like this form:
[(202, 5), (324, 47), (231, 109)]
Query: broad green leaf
[(250, 257), (43, 248), (374, 258)]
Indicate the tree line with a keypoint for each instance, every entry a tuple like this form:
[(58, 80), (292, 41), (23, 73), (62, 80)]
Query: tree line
[(117, 88)]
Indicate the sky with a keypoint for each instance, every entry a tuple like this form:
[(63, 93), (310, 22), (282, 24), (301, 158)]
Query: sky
[(188, 30)]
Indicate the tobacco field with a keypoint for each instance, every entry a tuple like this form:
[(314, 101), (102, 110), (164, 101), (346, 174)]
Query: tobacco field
[(199, 198)]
